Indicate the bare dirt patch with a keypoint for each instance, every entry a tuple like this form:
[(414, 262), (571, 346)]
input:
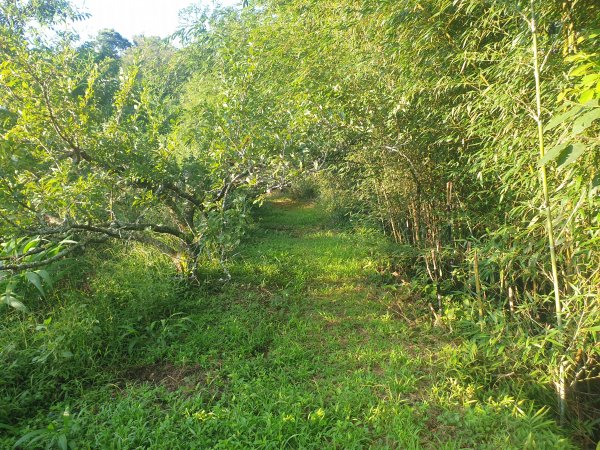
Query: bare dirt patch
[(165, 374)]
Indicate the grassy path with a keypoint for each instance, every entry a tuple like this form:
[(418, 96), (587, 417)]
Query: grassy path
[(305, 348)]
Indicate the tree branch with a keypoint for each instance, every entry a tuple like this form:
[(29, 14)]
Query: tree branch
[(44, 262)]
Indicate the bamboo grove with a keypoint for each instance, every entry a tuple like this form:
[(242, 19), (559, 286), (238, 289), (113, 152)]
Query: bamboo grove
[(468, 130)]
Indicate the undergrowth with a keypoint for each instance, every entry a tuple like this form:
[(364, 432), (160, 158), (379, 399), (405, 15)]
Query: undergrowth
[(313, 343)]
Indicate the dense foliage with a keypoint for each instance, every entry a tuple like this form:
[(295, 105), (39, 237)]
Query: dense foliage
[(466, 130), (109, 140)]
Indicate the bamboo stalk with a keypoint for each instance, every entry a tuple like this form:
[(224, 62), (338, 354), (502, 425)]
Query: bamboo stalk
[(437, 270), (570, 44), (511, 301), (478, 288), (561, 388), (395, 233)]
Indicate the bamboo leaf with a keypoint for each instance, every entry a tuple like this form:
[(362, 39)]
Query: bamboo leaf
[(581, 70), (590, 79), (571, 153), (553, 153), (557, 120), (585, 120), (586, 96)]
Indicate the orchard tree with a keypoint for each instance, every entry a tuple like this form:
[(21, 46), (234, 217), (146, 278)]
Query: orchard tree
[(75, 173)]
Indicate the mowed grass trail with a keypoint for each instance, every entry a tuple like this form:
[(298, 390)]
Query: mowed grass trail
[(306, 347)]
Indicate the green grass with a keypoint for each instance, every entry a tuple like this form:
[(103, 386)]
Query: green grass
[(306, 347)]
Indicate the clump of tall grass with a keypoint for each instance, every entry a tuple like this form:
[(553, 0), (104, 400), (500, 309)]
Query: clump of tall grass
[(106, 311)]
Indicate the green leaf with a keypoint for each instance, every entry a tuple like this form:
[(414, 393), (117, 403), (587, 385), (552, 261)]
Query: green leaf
[(563, 154), (586, 96), (595, 185), (590, 79), (31, 244), (585, 120), (12, 301), (44, 275), (36, 280), (4, 426), (62, 442), (553, 153), (31, 437), (580, 70), (557, 120), (571, 153)]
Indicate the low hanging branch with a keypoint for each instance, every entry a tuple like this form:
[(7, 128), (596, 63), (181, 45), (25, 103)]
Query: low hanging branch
[(97, 234), (44, 262)]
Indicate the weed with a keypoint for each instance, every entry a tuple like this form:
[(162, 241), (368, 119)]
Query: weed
[(311, 345)]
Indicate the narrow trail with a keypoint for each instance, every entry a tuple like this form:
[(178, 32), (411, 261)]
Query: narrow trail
[(350, 369)]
